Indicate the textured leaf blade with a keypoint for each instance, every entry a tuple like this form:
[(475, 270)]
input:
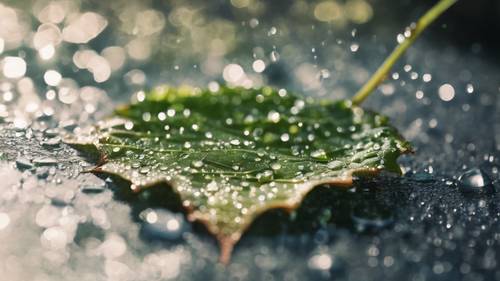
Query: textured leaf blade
[(235, 153)]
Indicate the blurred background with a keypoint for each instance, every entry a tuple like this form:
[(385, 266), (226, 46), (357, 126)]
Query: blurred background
[(65, 64), (193, 41)]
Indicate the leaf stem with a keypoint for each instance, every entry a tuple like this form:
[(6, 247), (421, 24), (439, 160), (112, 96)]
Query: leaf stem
[(386, 66)]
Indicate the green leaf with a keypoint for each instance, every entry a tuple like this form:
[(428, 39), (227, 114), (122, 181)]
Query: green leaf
[(234, 153)]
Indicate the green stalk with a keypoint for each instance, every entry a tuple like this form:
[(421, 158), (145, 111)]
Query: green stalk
[(384, 69)]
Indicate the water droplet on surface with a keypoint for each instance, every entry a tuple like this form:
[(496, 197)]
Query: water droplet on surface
[(51, 133), (335, 165), (273, 116), (272, 31), (475, 181), (265, 176), (171, 113), (44, 161), (276, 166), (42, 172), (285, 137), (354, 47), (400, 38), (92, 188), (319, 154), (275, 56), (52, 142), (197, 164), (68, 125), (254, 23), (23, 163), (144, 170), (427, 77), (470, 88)]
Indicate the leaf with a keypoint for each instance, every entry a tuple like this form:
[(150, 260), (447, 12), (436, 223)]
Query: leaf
[(234, 153)]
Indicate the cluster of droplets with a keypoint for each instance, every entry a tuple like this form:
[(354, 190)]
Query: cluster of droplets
[(231, 164)]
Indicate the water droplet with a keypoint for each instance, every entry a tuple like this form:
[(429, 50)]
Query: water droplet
[(400, 38), (144, 170), (146, 116), (272, 31), (273, 116), (129, 125), (475, 180), (23, 163), (285, 137), (162, 116), (171, 113), (335, 164), (51, 133), (42, 172), (265, 176), (470, 88), (276, 166), (427, 77), (354, 47), (319, 154), (275, 56), (254, 23), (197, 164), (92, 188), (44, 161), (52, 142)]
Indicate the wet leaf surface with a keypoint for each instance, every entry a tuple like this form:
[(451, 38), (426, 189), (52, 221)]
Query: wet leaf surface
[(234, 154)]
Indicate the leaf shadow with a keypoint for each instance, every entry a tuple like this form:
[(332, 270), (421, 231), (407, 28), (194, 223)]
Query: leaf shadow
[(361, 210), (358, 209)]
